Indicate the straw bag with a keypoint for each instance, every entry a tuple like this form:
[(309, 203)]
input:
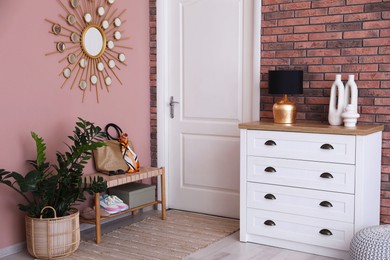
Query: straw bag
[(118, 156), (109, 158), (49, 238)]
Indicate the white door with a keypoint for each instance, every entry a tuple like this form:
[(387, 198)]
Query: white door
[(211, 75)]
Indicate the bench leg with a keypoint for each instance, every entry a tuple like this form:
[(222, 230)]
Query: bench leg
[(97, 218)]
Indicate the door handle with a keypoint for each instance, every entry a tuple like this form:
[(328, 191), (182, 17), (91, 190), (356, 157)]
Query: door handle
[(172, 103)]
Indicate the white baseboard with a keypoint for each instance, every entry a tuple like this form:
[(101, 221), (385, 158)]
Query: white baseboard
[(13, 249)]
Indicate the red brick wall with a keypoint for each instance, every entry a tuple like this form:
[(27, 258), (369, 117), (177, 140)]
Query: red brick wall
[(325, 38), (153, 83)]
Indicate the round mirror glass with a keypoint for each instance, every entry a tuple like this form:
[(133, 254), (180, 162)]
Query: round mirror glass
[(111, 64), (72, 58), (117, 22), (67, 73), (94, 42), (110, 44), (74, 37), (105, 24), (61, 47), (101, 11), (94, 79), (74, 3), (108, 81), (71, 19), (83, 63), (87, 17), (56, 28), (122, 57), (117, 35), (100, 66), (83, 85)]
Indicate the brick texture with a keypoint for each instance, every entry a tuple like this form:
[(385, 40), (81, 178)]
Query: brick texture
[(153, 81), (325, 38)]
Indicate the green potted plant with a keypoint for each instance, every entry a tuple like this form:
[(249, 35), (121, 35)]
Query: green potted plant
[(57, 187)]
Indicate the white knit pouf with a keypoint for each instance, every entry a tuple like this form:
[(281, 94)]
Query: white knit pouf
[(372, 243)]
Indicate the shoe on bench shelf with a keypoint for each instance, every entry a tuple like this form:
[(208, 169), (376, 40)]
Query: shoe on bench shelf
[(109, 205), (89, 213), (119, 202)]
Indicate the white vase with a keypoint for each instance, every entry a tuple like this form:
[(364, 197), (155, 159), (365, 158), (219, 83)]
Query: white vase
[(336, 94), (350, 116), (351, 92)]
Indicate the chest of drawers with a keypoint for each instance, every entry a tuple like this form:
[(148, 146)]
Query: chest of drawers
[(308, 187)]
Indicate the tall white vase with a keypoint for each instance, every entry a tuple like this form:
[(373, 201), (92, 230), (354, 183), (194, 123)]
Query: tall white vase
[(336, 94), (350, 114), (351, 93)]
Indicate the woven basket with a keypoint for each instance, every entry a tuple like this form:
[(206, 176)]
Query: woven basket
[(49, 238)]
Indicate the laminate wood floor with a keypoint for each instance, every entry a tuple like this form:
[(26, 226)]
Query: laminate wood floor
[(229, 248)]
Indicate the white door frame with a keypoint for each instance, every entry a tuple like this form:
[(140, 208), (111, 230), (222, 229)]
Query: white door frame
[(162, 80)]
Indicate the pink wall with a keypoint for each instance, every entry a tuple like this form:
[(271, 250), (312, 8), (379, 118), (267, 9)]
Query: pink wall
[(31, 97)]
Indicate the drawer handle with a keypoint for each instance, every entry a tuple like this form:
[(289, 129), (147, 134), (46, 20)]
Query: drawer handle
[(270, 223), (327, 147), (326, 175), (270, 143), (326, 204), (270, 197), (270, 169), (325, 232)]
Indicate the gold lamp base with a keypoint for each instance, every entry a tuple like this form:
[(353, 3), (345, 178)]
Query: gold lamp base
[(285, 111)]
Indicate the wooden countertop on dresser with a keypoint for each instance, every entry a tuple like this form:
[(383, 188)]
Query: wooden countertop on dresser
[(311, 127)]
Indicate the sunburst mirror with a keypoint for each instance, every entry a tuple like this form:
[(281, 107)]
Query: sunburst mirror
[(90, 37)]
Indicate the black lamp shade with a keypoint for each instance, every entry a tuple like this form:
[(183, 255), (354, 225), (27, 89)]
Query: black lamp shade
[(285, 82)]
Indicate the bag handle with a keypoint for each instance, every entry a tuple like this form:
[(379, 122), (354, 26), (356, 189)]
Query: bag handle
[(117, 129)]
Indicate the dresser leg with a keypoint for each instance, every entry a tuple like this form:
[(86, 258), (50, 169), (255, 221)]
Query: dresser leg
[(163, 199), (97, 218)]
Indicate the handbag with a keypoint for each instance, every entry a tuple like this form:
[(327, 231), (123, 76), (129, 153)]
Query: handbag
[(109, 159), (117, 156)]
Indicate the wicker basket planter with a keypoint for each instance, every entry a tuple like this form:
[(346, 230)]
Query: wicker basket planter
[(49, 238)]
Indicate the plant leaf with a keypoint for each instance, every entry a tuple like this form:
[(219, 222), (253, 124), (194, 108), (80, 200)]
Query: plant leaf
[(41, 149)]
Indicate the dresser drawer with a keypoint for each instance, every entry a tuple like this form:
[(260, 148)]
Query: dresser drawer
[(290, 145), (305, 174), (312, 203), (313, 231)]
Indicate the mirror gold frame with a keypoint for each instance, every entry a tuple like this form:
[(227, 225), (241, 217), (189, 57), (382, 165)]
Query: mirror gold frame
[(85, 41), (90, 39)]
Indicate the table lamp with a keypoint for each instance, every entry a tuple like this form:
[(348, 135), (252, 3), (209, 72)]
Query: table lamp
[(285, 82)]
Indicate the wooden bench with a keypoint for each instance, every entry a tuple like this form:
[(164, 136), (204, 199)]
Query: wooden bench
[(116, 180)]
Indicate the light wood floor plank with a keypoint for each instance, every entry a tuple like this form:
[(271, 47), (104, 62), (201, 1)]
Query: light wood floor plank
[(230, 248)]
